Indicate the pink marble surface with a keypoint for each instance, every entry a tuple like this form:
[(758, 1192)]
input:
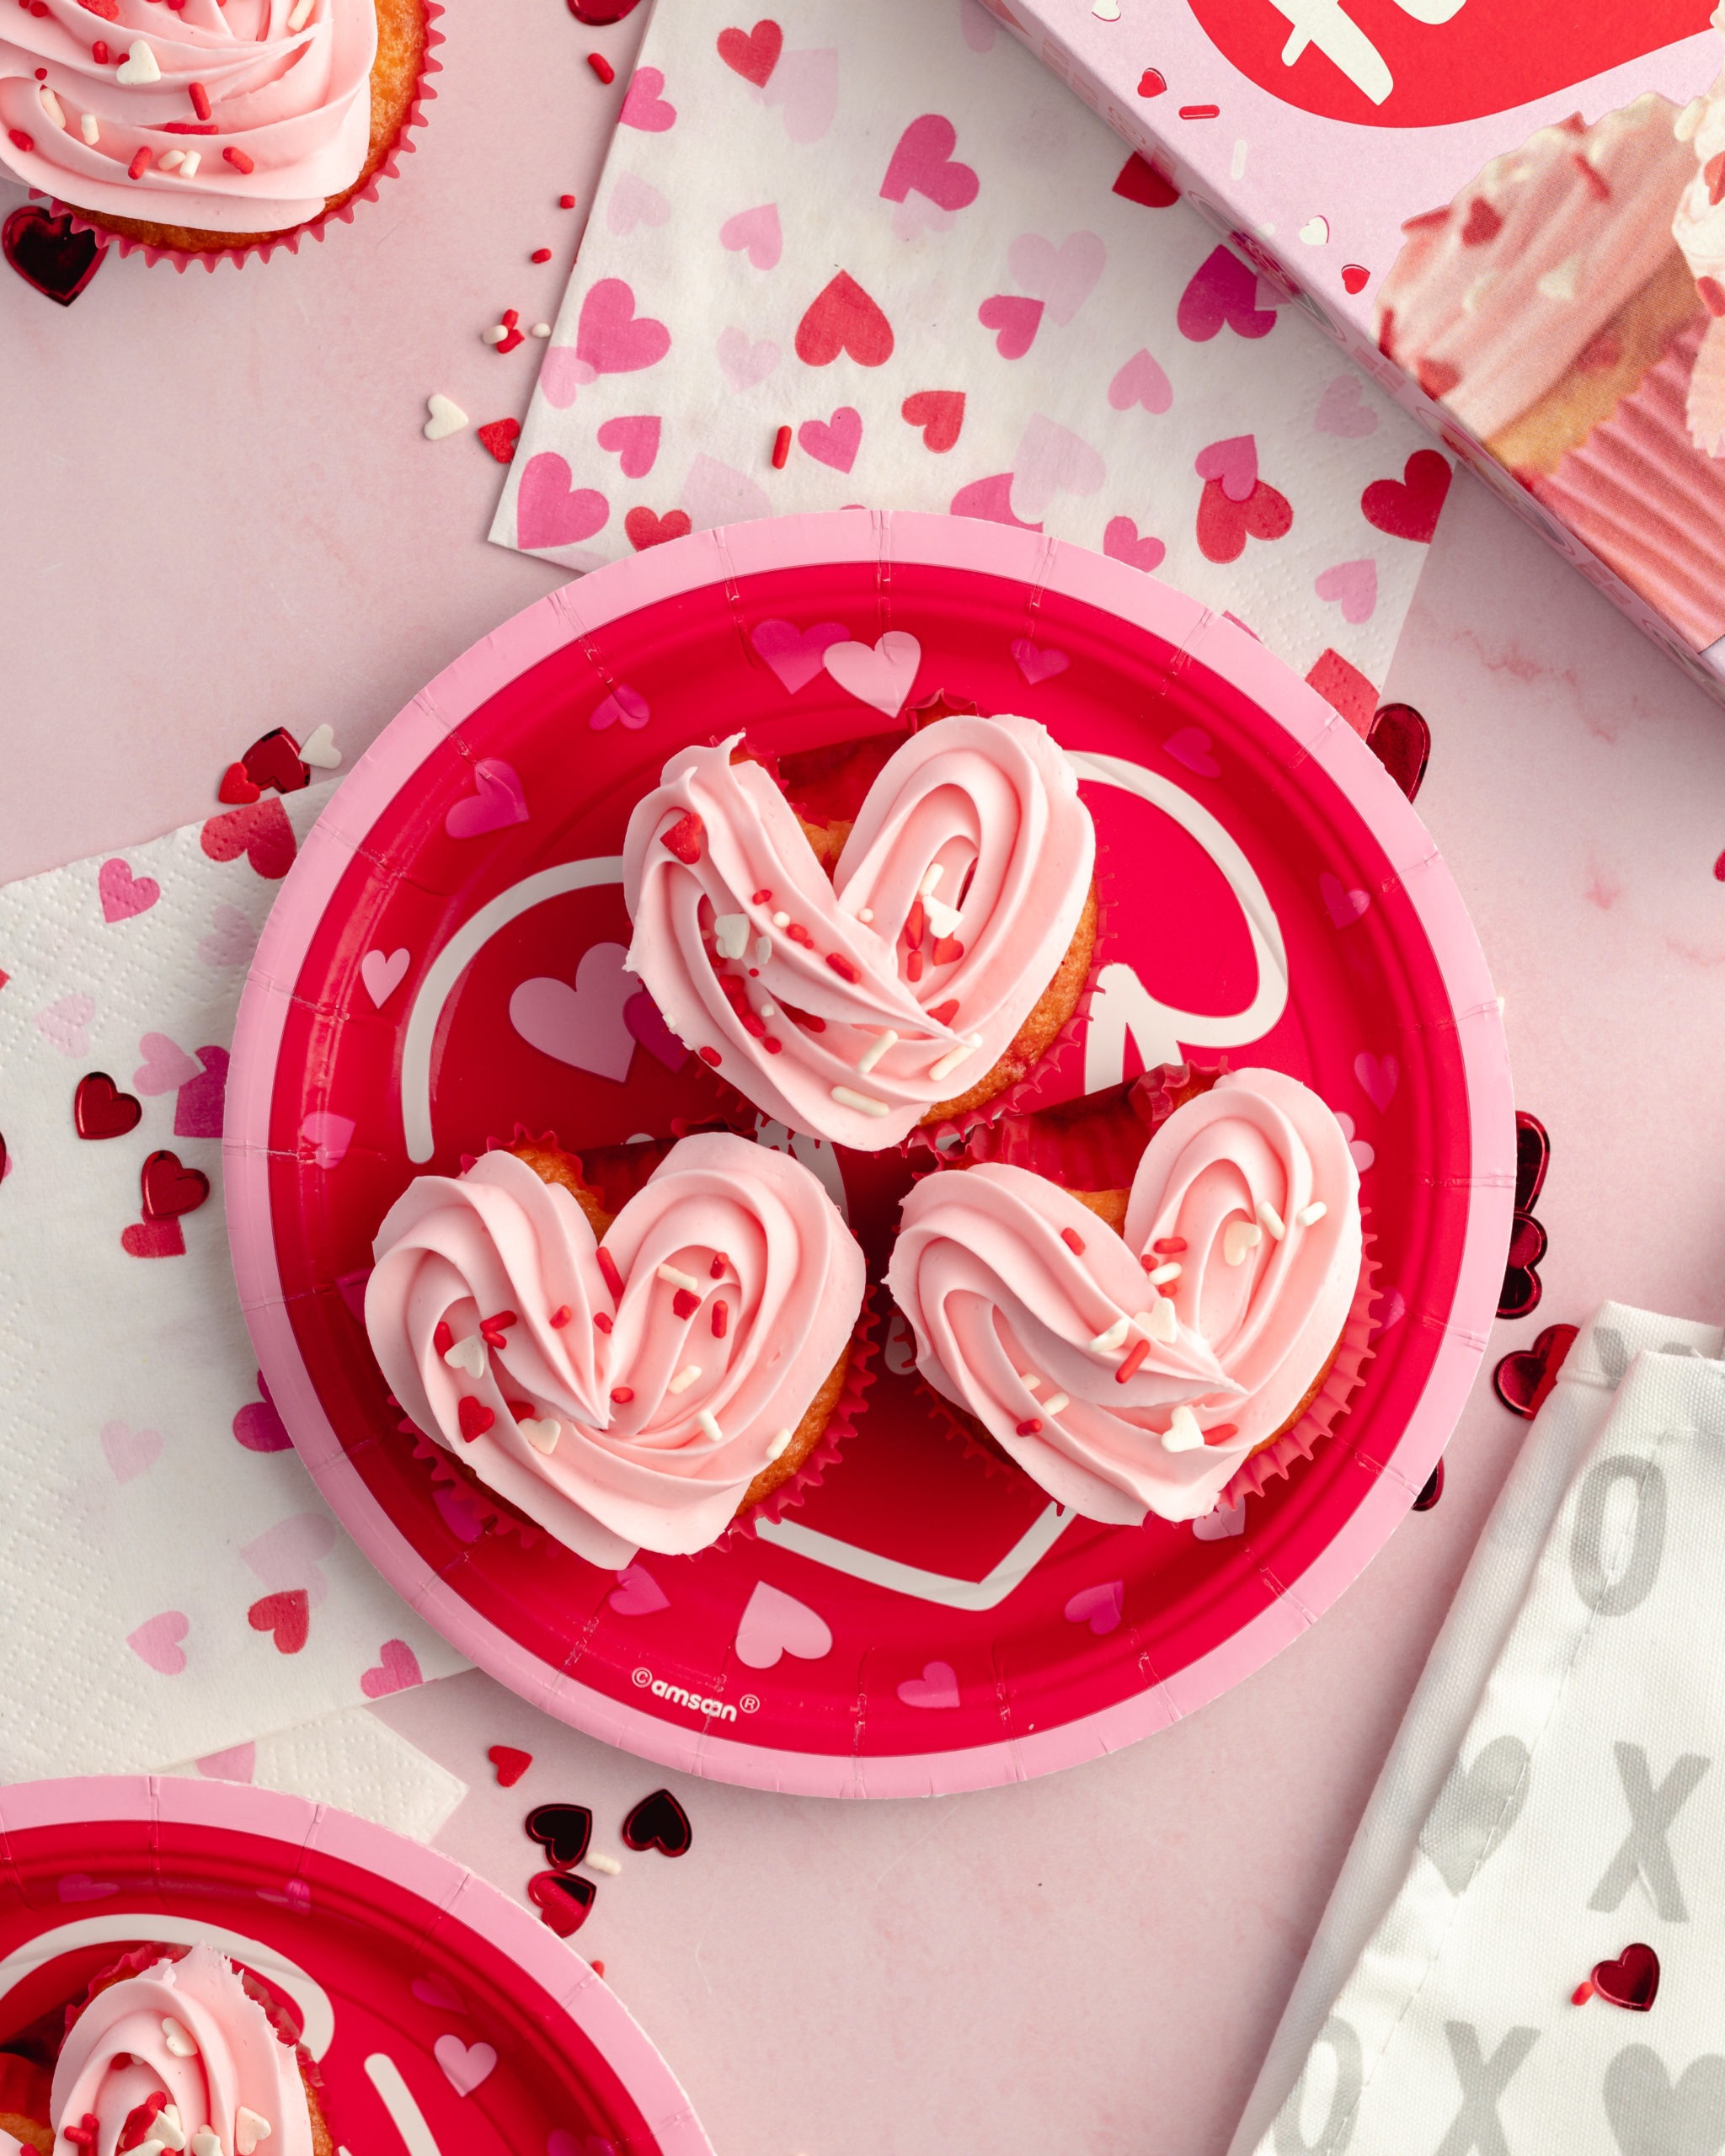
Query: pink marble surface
[(221, 518)]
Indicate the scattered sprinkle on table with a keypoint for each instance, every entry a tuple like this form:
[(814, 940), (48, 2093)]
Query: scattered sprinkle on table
[(780, 448), (601, 67)]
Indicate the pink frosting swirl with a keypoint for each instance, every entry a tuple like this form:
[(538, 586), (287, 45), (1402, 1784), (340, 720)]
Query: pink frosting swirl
[(237, 118), (1491, 301), (1162, 1356), (173, 2056), (648, 1410), (953, 902)]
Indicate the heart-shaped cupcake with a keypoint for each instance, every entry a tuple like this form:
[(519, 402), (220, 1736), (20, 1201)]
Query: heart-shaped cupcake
[(1131, 1371), (853, 1009), (623, 1391)]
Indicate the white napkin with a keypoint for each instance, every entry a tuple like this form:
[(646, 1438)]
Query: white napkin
[(1549, 1799), (152, 1515), (915, 148)]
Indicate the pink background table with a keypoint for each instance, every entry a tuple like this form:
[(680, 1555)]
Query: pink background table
[(220, 518)]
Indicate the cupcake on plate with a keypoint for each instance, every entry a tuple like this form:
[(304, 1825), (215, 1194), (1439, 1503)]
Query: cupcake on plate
[(172, 2049), (858, 977), (628, 1381), (211, 127), (1132, 1349)]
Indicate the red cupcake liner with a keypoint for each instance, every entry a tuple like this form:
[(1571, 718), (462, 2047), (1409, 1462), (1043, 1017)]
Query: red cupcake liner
[(1093, 1143), (313, 227)]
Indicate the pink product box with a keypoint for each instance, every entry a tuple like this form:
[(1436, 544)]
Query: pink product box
[(1513, 218)]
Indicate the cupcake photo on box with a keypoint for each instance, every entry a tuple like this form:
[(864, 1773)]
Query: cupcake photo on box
[(1556, 306)]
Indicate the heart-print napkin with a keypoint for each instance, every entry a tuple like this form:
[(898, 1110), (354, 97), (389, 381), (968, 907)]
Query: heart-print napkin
[(171, 1583), (1556, 1796), (887, 230)]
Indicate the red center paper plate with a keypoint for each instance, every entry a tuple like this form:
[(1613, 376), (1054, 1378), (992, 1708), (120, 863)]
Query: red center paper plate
[(440, 2013), (925, 1619)]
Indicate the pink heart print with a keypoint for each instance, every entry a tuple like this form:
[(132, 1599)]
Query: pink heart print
[(79, 1886), (496, 802), (635, 201), (1052, 459), (1039, 662), (1015, 321), (130, 1453), (199, 1105), (1121, 542), (642, 107), (383, 972), (123, 895), (166, 1066), (397, 1669), (550, 510), (758, 232), (834, 441), (882, 673), (744, 364), (432, 1991), (923, 162), (328, 1135), (646, 1022), (1343, 906), (1344, 411), (584, 1026), (287, 1557), (1364, 1155), (157, 1641), (1140, 380), (238, 1763), (634, 441), (1353, 586), (1227, 1520), (1234, 462), (775, 1624), (1191, 746), (1222, 291), (467, 2065), (1379, 1076), (937, 1687), (230, 940), (460, 1511), (610, 338), (804, 86), (638, 1593), (795, 654), (258, 1427), (623, 705), (993, 498), (1100, 1607), (1063, 276)]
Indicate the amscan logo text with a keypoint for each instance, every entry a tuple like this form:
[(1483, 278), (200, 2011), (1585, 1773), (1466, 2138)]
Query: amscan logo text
[(679, 1696)]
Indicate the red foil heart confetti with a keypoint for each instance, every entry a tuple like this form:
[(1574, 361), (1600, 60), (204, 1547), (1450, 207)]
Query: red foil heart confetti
[(1522, 1380), (171, 1190), (1632, 1980), (658, 1823), (562, 1898), (100, 1110), (48, 254)]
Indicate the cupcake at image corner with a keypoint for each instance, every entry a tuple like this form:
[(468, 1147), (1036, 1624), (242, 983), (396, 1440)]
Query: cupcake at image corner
[(1551, 309), (208, 128), (170, 2048)]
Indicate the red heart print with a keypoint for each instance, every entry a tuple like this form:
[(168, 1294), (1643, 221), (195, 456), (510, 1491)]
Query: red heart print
[(841, 317), (833, 442), (153, 1239), (274, 760), (1633, 1980), (610, 338), (1224, 525), (171, 1191), (642, 107), (645, 529), (288, 1615), (510, 1765), (1121, 542), (1151, 83), (551, 510), (1401, 741), (48, 254), (993, 498), (1138, 180), (658, 1823), (501, 436), (562, 1898), (1223, 292), (261, 832), (1409, 508), (923, 161), (1522, 1380), (123, 895), (940, 414), (236, 788), (1356, 277), (397, 1668), (258, 1427), (1016, 321), (100, 1110), (752, 53)]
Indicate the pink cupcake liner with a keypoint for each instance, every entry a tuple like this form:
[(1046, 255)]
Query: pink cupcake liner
[(1640, 494), (313, 227), (1704, 408)]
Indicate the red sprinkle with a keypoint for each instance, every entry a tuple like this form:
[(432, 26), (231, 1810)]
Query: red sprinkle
[(442, 1339), (601, 1321), (708, 1055), (1169, 1245), (720, 1267), (762, 897), (913, 966), (1484, 223), (781, 449), (601, 67), (1073, 1241), (1134, 1355), (914, 921), (565, 201), (798, 934), (613, 1279), (474, 1417), (721, 1318), (200, 99), (1031, 1428), (1437, 377), (539, 254), (1597, 181), (560, 1317), (685, 1303), (1713, 172), (944, 1014), (842, 966), (1220, 1432), (501, 1323), (84, 2134), (21, 141), (99, 52), (1583, 1993), (139, 166), (1386, 334), (139, 2119), (511, 316), (1427, 221), (948, 950), (1712, 294), (41, 74), (238, 159), (622, 1394), (769, 1044), (1200, 112), (684, 837)]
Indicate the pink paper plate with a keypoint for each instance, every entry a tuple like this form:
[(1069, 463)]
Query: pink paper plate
[(924, 1620), (441, 2015)]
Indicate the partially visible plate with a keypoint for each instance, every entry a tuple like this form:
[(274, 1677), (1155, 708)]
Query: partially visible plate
[(925, 1619)]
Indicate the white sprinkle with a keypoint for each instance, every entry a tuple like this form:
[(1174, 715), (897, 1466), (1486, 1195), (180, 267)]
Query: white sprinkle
[(685, 1378), (1236, 167), (177, 2038), (780, 1445), (139, 66), (468, 1355), (1474, 297), (781, 920), (1170, 1270), (207, 2143), (763, 949), (864, 1103), (865, 913), (1054, 1402), (1270, 1220), (188, 165), (1308, 1216), (542, 1434), (540, 329), (931, 881), (296, 22), (1030, 1381), (152, 2148), (1563, 282), (943, 919), (494, 335), (52, 106), (1238, 1237), (1158, 1323), (1107, 1342), (730, 933), (876, 1049), (166, 2128), (709, 1427), (768, 1011), (248, 2130), (673, 1277), (597, 1860), (1183, 1433), (953, 1057), (1688, 119), (87, 128), (171, 162)]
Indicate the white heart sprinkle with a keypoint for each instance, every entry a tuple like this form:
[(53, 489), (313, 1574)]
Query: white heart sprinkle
[(167, 2129), (1316, 232), (730, 935), (320, 749), (468, 1355), (206, 2142), (1107, 11), (177, 2038), (139, 65), (943, 919), (1238, 1237), (1183, 1433), (446, 419), (248, 2130), (542, 1435)]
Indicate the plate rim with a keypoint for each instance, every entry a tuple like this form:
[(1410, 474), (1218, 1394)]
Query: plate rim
[(882, 538)]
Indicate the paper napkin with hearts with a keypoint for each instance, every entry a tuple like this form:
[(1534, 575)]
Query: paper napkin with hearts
[(1550, 1821), (171, 1584), (885, 235)]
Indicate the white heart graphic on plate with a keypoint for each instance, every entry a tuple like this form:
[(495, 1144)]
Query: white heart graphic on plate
[(878, 674), (776, 1624), (584, 1025), (382, 974), (466, 2065)]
